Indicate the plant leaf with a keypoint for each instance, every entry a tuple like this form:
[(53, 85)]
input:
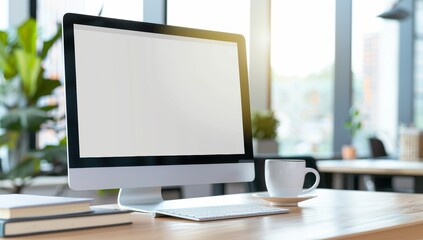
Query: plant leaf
[(45, 87), (51, 153), (30, 167), (27, 36), (4, 37), (6, 66), (24, 119), (29, 68), (49, 107), (6, 59), (63, 141), (9, 139)]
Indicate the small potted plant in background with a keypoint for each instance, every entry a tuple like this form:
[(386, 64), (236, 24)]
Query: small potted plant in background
[(353, 126), (264, 127)]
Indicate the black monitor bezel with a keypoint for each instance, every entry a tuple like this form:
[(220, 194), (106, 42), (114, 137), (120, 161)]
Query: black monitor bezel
[(74, 159)]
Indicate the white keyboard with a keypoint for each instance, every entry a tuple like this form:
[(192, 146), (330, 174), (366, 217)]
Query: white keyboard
[(210, 213)]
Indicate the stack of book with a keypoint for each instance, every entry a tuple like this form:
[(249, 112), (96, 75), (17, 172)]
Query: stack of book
[(22, 214)]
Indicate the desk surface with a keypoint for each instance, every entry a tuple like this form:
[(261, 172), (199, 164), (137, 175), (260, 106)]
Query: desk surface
[(371, 166), (334, 214)]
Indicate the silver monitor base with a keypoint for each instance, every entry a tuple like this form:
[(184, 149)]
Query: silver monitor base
[(141, 199)]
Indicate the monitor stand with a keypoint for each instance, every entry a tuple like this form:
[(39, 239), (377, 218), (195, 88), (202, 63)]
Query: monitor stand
[(140, 199)]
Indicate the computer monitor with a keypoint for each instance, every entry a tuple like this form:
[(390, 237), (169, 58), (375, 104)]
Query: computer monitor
[(151, 105)]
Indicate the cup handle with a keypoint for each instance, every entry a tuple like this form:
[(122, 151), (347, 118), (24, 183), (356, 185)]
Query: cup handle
[(312, 170)]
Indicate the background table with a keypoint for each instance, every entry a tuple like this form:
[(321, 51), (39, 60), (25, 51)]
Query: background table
[(373, 167)]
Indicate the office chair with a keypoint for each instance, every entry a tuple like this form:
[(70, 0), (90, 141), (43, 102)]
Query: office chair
[(377, 148), (259, 183)]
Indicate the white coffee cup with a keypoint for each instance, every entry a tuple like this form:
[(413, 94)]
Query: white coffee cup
[(285, 177)]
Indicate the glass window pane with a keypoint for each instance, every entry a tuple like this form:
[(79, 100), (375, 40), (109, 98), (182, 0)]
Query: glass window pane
[(418, 65), (217, 15), (302, 58), (4, 14), (374, 66), (49, 15)]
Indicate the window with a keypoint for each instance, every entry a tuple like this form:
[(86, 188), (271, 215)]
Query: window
[(4, 14), (217, 15), (418, 65), (374, 67), (49, 15), (302, 58)]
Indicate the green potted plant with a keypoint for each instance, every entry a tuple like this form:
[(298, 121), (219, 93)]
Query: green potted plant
[(353, 126), (264, 128), (22, 110)]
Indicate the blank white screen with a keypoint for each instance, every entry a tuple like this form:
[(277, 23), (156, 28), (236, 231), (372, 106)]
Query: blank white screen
[(144, 94)]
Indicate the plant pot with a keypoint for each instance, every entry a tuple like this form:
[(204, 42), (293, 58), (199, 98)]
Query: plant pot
[(349, 152), (265, 146)]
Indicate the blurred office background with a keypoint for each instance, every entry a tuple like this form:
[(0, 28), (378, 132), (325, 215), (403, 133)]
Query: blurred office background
[(310, 61)]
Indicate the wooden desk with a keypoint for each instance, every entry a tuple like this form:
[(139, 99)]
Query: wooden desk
[(334, 214), (375, 167)]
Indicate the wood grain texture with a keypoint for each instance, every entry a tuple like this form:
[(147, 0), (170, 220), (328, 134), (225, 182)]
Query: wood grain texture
[(334, 214)]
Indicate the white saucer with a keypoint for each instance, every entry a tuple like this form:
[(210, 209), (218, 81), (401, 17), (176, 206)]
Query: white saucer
[(283, 201)]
